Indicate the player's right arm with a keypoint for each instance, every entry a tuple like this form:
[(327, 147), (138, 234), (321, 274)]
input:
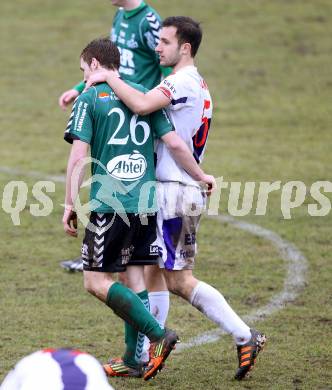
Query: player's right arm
[(138, 102), (79, 133), (75, 167)]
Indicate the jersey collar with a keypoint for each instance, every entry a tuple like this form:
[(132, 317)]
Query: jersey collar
[(132, 12)]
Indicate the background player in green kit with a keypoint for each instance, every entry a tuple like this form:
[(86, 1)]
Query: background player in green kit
[(123, 168), (135, 31)]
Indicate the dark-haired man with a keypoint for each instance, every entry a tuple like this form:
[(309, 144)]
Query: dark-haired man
[(135, 31), (122, 222), (188, 103)]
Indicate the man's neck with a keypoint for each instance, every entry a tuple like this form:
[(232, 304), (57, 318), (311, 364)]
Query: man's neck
[(101, 68), (132, 4), (185, 61)]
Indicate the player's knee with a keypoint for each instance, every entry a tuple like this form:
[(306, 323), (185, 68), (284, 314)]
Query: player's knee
[(122, 278), (90, 286), (180, 283), (154, 279), (175, 287)]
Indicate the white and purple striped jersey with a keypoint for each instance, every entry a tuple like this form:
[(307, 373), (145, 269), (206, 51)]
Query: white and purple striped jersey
[(190, 112), (57, 369)]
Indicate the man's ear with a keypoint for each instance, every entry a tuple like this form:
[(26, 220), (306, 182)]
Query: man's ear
[(94, 64), (186, 49)]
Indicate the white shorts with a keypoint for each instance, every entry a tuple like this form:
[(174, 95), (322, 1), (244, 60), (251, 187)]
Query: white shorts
[(180, 210)]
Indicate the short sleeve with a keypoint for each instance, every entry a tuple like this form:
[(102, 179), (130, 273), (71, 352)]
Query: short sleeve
[(160, 123), (81, 119), (177, 89)]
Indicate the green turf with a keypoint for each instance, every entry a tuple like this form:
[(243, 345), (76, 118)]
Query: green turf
[(268, 65)]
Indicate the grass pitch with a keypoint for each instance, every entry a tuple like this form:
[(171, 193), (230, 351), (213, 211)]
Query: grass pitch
[(268, 65)]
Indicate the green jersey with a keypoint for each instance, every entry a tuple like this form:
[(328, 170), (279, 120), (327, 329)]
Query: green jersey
[(122, 144), (136, 34)]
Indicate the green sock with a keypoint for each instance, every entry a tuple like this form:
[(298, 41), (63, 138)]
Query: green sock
[(127, 305), (135, 340)]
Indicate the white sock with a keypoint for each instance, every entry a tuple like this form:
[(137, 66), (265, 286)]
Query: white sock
[(213, 305), (159, 307)]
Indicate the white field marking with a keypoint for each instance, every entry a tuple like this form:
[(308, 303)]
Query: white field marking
[(35, 174), (294, 282)]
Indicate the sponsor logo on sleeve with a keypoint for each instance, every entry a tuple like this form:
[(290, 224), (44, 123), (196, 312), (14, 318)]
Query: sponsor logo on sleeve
[(104, 96), (166, 83), (80, 116), (166, 92)]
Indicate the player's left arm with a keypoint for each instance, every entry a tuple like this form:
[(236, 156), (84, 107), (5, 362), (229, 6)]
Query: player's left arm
[(186, 160), (74, 179)]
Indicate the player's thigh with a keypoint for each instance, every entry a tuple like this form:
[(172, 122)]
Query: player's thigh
[(135, 278), (154, 278)]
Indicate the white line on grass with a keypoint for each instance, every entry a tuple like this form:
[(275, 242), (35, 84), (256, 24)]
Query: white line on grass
[(35, 174), (296, 266), (293, 283)]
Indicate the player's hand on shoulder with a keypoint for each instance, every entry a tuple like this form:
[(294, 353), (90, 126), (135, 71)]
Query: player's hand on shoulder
[(210, 182), (67, 97), (100, 76), (69, 221)]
